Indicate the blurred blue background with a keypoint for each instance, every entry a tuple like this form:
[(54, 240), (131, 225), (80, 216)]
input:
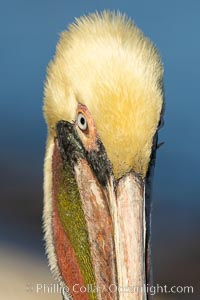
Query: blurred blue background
[(29, 32)]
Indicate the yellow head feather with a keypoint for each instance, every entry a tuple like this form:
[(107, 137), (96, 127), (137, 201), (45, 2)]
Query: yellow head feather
[(105, 62)]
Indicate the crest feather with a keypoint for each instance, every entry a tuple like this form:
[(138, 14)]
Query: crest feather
[(106, 63)]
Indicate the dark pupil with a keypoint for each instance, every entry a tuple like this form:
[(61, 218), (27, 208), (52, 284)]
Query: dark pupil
[(82, 121)]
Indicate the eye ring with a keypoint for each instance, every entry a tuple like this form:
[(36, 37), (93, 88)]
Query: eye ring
[(82, 122)]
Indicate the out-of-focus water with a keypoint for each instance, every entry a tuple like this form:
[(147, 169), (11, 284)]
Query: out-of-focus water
[(29, 32)]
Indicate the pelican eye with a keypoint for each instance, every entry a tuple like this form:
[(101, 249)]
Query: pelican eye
[(81, 121)]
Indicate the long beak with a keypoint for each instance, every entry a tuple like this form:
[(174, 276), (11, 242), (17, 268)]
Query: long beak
[(127, 206), (114, 212)]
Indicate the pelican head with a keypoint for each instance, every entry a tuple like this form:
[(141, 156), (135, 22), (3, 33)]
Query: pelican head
[(103, 103)]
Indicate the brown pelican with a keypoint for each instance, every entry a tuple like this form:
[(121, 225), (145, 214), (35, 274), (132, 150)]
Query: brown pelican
[(103, 104)]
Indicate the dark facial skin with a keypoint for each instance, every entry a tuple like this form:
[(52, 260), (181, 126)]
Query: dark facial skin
[(72, 149)]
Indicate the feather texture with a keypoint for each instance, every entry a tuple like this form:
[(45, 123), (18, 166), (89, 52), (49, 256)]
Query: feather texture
[(106, 63)]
